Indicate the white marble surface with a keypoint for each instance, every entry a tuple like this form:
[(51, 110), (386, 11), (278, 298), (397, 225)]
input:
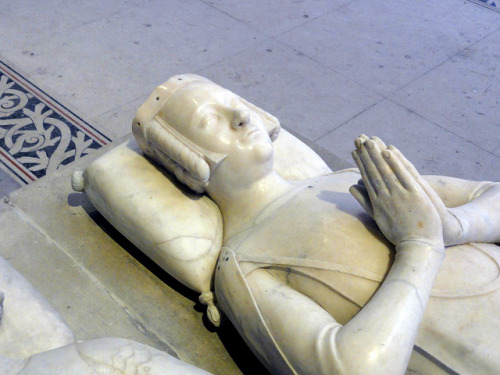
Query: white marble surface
[(46, 203), (34, 340), (181, 231), (106, 355), (302, 253), (147, 306), (29, 324)]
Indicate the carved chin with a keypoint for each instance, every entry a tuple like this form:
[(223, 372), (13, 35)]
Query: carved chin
[(264, 152)]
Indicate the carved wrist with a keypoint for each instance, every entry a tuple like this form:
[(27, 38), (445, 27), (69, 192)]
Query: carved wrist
[(463, 225), (416, 259), (417, 264), (421, 246)]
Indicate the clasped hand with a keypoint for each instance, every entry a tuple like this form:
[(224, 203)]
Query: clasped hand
[(393, 197)]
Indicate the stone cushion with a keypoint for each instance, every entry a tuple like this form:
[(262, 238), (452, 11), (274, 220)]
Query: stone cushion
[(180, 230)]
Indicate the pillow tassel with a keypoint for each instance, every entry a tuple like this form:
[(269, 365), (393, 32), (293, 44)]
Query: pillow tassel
[(213, 314)]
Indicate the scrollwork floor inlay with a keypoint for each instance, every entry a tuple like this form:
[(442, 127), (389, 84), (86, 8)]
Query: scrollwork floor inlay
[(490, 4), (38, 134)]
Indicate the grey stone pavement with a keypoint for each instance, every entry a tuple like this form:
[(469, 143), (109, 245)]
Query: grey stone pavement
[(422, 75)]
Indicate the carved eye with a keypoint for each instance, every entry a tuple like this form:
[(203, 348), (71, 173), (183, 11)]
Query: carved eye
[(208, 120)]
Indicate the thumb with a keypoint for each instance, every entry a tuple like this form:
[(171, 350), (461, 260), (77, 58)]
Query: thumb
[(361, 195)]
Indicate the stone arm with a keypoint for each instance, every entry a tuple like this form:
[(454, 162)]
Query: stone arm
[(378, 340), (469, 210)]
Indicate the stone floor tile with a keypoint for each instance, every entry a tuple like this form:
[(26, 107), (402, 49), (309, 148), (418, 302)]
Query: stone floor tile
[(7, 184), (275, 17), (462, 95), (387, 44), (306, 97), (113, 60), (119, 119), (431, 148), (4, 207), (28, 20)]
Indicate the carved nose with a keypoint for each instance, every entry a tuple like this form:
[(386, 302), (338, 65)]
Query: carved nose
[(241, 119)]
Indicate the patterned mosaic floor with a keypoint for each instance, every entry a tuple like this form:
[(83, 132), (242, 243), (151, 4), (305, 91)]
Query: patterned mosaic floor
[(491, 4), (37, 133)]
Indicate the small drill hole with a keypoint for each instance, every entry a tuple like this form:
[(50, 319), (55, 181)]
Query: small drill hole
[(157, 98), (138, 124), (179, 79)]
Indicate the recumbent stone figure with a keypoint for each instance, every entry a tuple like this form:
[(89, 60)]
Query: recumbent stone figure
[(315, 281)]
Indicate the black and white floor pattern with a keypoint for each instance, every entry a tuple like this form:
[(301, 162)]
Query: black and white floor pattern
[(37, 133)]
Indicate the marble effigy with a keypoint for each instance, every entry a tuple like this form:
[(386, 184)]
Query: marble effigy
[(29, 324), (279, 244), (34, 340), (101, 356)]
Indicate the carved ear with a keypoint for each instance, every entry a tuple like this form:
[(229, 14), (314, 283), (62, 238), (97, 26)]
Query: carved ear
[(271, 123)]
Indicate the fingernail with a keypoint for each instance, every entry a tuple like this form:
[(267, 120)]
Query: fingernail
[(369, 144), (386, 154)]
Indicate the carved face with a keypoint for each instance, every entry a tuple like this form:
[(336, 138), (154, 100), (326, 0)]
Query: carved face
[(217, 120)]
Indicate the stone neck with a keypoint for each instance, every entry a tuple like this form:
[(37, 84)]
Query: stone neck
[(240, 206)]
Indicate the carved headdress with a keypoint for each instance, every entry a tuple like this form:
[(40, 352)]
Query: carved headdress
[(190, 163)]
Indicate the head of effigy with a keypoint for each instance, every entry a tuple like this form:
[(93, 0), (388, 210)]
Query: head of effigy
[(193, 126)]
